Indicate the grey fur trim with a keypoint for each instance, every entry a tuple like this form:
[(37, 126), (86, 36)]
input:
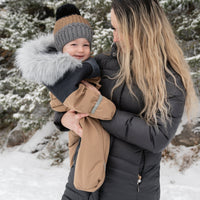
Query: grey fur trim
[(41, 66)]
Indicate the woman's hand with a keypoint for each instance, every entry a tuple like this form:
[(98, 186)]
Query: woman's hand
[(71, 121), (91, 87)]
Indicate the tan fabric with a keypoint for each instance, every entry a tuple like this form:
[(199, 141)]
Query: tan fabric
[(69, 20), (95, 142)]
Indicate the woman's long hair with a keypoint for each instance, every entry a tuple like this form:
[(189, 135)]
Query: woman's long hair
[(146, 44)]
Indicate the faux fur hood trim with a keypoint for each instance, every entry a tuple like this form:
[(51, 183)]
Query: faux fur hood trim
[(39, 65)]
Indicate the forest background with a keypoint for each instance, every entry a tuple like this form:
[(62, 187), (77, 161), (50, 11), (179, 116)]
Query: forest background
[(24, 106)]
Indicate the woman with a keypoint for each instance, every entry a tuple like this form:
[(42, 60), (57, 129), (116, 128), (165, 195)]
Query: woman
[(149, 82)]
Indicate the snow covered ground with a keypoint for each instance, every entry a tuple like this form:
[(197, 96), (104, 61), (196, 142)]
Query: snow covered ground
[(24, 177), (180, 186)]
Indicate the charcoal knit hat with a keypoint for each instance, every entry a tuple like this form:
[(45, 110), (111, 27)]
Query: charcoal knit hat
[(70, 25)]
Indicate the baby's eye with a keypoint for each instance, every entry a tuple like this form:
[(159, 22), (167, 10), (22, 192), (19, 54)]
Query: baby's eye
[(73, 44), (86, 45)]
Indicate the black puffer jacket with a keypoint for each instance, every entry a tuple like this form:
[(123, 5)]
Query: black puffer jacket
[(135, 146)]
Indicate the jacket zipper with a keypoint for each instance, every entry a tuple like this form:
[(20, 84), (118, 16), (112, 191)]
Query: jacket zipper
[(138, 182), (141, 169)]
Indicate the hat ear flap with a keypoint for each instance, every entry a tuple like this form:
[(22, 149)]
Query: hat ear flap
[(67, 10)]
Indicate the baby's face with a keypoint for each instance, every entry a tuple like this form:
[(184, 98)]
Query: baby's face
[(79, 49)]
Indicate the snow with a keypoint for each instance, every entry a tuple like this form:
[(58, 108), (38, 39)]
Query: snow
[(193, 57), (180, 186), (47, 130), (25, 177)]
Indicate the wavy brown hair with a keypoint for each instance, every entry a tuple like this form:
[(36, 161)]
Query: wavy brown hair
[(149, 43)]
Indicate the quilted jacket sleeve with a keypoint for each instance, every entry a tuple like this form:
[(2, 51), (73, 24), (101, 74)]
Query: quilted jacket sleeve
[(135, 130)]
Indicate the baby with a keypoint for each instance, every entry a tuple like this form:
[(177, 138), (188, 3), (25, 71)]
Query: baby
[(73, 35), (62, 64)]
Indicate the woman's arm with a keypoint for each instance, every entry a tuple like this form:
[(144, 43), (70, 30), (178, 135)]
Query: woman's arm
[(135, 130)]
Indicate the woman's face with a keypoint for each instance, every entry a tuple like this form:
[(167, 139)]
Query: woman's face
[(115, 27)]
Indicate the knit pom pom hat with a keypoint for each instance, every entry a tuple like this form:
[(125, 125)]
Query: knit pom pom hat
[(69, 26)]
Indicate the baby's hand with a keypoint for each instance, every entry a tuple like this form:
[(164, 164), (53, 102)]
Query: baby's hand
[(71, 121)]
